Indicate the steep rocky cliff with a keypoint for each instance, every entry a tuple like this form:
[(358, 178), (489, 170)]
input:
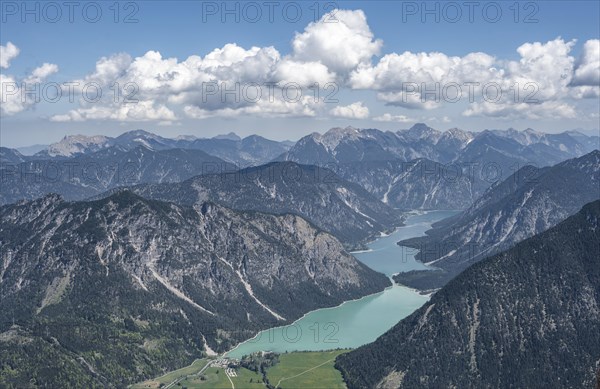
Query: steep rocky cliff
[(122, 288)]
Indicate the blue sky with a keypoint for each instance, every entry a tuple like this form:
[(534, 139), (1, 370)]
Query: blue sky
[(368, 96)]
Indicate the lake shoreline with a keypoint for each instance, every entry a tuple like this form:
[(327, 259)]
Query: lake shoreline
[(354, 322), (318, 310)]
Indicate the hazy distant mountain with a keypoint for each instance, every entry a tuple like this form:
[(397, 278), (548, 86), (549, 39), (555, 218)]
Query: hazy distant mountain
[(595, 132), (10, 156), (528, 317), (465, 163), (342, 145), (89, 174), (252, 150), (230, 136), (498, 156), (31, 150), (349, 144), (568, 142), (76, 144), (527, 203), (342, 208), (110, 292)]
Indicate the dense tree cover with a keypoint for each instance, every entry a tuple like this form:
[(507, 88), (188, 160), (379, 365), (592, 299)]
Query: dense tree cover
[(260, 363), (528, 317), (102, 332), (257, 362), (317, 194), (527, 203), (121, 289), (423, 279)]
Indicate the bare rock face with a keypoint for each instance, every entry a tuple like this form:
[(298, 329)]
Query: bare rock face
[(428, 169), (525, 204), (166, 277), (317, 194)]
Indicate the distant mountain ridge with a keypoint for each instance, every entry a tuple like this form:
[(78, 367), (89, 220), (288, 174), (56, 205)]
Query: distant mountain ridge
[(417, 168), (252, 150), (350, 144), (342, 208), (456, 166), (86, 175), (11, 156)]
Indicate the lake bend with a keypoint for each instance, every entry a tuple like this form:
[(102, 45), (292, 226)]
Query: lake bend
[(356, 322)]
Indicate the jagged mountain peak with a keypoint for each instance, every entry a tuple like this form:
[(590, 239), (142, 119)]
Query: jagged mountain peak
[(526, 137), (229, 136), (138, 132), (458, 134), (420, 131), (334, 136), (532, 131), (76, 144)]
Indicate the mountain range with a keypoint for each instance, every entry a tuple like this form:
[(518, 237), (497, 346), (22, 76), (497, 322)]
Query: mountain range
[(525, 204), (88, 174), (111, 291), (453, 168), (527, 317), (123, 258), (252, 150), (418, 168), (350, 144), (331, 203)]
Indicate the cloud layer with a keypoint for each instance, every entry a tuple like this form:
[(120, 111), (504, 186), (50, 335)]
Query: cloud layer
[(15, 95), (335, 54)]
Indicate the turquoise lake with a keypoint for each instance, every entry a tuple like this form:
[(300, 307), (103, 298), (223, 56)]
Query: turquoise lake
[(355, 322)]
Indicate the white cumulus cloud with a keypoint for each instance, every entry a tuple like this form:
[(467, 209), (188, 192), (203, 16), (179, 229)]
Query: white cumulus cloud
[(586, 78), (12, 91), (353, 111), (341, 40), (545, 81), (141, 111), (537, 85), (387, 117), (7, 54)]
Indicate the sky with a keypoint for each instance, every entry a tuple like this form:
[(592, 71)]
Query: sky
[(286, 69)]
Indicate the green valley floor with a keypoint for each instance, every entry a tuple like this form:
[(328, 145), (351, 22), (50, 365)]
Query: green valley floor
[(293, 371)]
